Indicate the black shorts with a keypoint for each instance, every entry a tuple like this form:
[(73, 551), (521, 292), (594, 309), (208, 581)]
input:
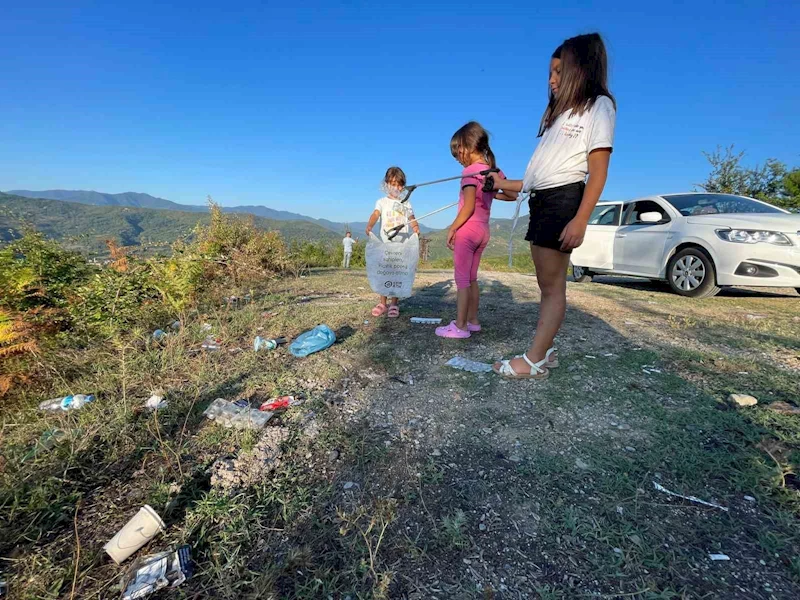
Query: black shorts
[(551, 210)]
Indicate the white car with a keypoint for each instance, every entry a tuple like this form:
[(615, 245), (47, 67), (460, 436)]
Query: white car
[(697, 242)]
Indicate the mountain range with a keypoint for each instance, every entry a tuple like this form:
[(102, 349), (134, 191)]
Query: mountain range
[(139, 200), (86, 227)]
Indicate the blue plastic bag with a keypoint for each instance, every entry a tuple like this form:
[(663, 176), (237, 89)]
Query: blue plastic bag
[(317, 339)]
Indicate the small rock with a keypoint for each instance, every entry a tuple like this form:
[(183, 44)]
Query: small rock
[(436, 453), (783, 408), (333, 455), (349, 485), (630, 449), (742, 400), (581, 464), (623, 427)]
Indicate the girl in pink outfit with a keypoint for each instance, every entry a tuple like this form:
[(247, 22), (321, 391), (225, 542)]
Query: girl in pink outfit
[(469, 233)]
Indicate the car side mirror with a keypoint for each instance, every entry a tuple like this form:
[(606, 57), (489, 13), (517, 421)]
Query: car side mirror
[(650, 217)]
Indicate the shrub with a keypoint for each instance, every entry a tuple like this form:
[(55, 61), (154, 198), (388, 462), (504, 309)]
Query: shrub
[(35, 271)]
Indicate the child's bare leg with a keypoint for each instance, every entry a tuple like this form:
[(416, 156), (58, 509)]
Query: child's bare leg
[(383, 300), (393, 301), (474, 301)]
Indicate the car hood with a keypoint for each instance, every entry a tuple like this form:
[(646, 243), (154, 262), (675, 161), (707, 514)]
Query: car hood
[(786, 223)]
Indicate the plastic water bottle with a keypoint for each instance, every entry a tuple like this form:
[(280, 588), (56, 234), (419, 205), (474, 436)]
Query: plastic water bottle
[(262, 344), (67, 402), (459, 362)]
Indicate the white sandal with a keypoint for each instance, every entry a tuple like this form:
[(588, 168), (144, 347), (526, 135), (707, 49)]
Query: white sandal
[(538, 370), (551, 363)]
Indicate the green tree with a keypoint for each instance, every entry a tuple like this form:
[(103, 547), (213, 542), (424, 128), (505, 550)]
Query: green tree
[(771, 182)]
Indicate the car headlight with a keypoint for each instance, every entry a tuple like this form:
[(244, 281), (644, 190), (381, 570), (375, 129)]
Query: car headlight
[(753, 236)]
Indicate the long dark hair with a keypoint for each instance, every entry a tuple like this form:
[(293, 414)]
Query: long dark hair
[(472, 137), (584, 77)]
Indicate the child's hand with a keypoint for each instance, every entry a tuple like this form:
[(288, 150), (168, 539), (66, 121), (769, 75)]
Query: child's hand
[(368, 231), (451, 238), (573, 235)]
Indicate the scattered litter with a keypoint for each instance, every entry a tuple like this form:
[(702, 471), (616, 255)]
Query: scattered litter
[(210, 343), (231, 415), (156, 401), (617, 550), (157, 571), (609, 354), (426, 320), (398, 380), (242, 403), (581, 464), (281, 403), (263, 344), (159, 334), (46, 442), (175, 326), (719, 557), (67, 402), (661, 488), (620, 510), (743, 373), (742, 400), (317, 339), (590, 356), (350, 485), (630, 323), (756, 317), (366, 322), (459, 362), (139, 530), (650, 369), (750, 498), (205, 327)]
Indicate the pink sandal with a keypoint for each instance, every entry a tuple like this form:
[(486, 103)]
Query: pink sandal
[(394, 311), (473, 328), (379, 309), (452, 331)]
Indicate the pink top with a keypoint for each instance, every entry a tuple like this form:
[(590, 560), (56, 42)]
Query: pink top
[(483, 200)]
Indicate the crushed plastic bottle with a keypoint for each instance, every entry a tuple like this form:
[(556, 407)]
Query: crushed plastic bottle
[(67, 402), (229, 415), (426, 320), (264, 344), (159, 334), (459, 362)]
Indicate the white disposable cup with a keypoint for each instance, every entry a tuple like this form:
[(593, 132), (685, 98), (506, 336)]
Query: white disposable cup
[(143, 527)]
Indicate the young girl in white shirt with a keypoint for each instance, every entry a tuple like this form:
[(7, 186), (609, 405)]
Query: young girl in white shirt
[(577, 137)]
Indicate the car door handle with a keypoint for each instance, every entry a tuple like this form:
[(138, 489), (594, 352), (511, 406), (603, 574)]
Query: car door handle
[(621, 235)]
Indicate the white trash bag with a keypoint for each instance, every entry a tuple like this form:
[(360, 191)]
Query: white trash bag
[(391, 266)]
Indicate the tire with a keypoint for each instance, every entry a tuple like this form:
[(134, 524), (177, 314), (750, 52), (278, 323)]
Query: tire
[(691, 273), (581, 274)]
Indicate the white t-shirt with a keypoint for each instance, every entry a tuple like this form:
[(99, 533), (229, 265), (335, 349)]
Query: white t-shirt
[(394, 213), (348, 242), (562, 156)]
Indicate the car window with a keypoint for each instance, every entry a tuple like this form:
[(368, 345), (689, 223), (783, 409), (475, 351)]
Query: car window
[(644, 206), (605, 215), (690, 205)]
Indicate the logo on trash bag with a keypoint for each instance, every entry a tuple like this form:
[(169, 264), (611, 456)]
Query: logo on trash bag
[(393, 284)]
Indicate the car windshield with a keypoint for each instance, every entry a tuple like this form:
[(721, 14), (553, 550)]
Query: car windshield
[(690, 205)]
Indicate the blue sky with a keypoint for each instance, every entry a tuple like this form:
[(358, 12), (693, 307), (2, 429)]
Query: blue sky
[(302, 106)]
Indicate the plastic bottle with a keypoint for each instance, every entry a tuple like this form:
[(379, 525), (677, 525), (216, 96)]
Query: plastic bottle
[(67, 402), (262, 344)]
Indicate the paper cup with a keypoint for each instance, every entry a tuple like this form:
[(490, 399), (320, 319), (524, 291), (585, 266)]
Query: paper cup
[(137, 532)]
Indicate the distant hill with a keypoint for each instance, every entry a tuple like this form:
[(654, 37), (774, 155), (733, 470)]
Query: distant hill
[(138, 200), (86, 227)]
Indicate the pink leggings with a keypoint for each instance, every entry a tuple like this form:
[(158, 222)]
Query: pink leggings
[(471, 240)]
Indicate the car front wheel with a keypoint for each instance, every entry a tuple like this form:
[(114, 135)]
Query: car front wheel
[(691, 273), (581, 274)]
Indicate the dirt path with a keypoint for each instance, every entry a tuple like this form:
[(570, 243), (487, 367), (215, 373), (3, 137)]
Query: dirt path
[(545, 489)]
